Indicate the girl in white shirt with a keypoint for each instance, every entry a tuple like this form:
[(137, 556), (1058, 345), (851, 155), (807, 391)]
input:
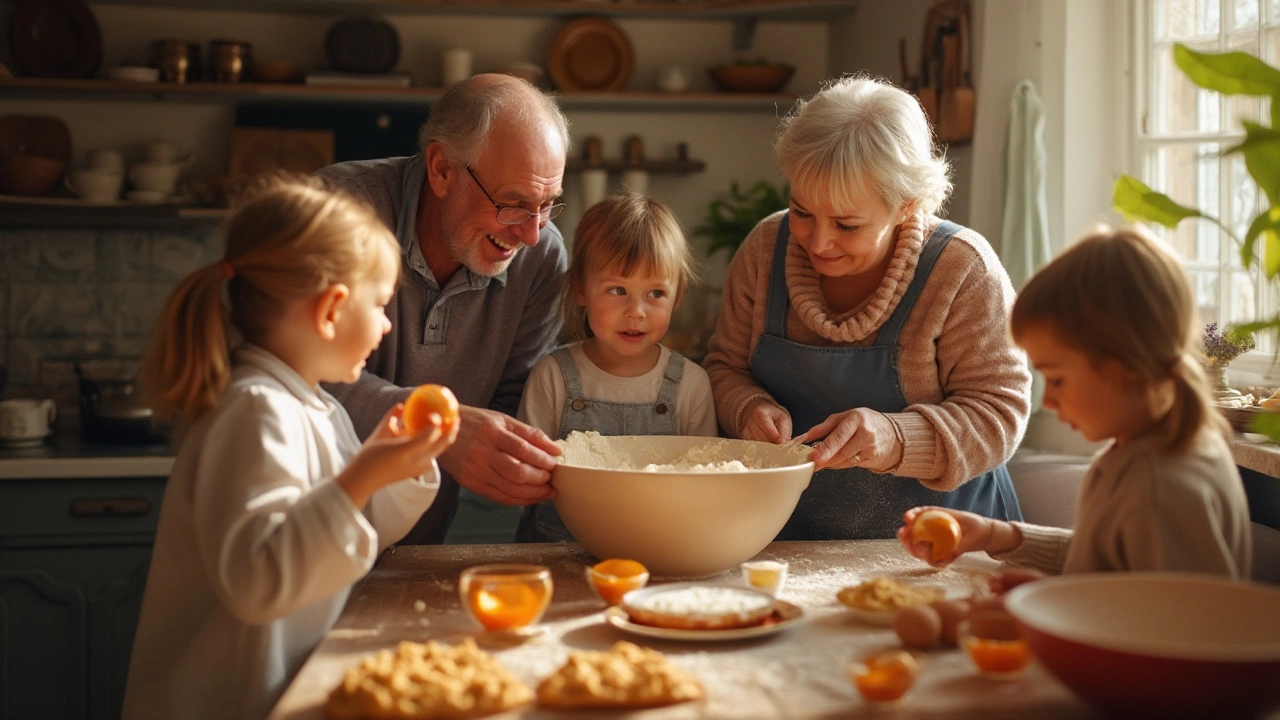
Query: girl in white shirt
[(630, 267), (1112, 325), (273, 508)]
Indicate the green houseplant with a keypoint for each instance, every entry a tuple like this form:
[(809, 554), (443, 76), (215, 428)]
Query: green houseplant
[(1232, 73), (728, 221)]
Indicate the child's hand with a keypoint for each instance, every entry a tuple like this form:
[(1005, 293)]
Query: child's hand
[(974, 532), (767, 422), (391, 454), (1006, 580)]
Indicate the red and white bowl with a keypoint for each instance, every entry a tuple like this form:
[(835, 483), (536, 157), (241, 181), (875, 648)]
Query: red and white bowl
[(1157, 645)]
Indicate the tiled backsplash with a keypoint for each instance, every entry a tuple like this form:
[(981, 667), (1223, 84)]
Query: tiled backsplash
[(70, 294)]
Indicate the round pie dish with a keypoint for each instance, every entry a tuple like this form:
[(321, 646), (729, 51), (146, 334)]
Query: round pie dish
[(697, 606)]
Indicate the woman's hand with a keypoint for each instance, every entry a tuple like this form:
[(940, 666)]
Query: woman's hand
[(767, 422), (860, 437)]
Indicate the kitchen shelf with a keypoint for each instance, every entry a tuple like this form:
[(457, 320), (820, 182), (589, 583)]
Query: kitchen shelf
[(41, 213), (681, 167), (237, 93), (771, 10)]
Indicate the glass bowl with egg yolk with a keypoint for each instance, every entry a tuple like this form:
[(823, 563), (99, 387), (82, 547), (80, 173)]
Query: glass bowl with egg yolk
[(615, 577)]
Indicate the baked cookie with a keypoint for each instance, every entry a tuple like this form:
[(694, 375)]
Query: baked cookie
[(882, 593), (426, 681), (627, 676), (698, 607)]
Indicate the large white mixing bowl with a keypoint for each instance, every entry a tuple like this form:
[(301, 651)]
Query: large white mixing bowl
[(682, 524)]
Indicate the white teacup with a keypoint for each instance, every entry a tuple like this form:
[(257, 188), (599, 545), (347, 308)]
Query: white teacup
[(108, 159), (165, 151), (96, 185), (26, 421), (158, 176), (672, 79)]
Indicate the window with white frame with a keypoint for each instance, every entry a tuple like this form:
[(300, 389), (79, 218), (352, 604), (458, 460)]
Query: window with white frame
[(1183, 133)]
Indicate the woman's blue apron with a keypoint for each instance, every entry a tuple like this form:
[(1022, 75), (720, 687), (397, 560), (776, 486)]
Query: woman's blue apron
[(813, 383)]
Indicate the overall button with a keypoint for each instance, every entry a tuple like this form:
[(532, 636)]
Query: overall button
[(661, 408), (579, 403)]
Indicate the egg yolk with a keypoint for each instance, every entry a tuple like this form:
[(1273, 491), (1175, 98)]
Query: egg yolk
[(885, 677), (939, 530), (427, 399), (507, 606), (614, 578)]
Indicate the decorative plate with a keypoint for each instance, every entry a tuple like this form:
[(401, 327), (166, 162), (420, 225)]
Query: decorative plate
[(590, 54), (43, 135), (257, 150), (362, 46), (785, 615), (55, 39)]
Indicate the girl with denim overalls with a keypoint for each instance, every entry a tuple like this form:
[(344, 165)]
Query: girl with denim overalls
[(630, 267)]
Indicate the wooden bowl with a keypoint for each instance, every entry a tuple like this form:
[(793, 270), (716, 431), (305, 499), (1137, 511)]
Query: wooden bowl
[(276, 71), (751, 78), (30, 175)]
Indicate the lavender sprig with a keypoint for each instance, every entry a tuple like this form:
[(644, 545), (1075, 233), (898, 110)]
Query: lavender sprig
[(1224, 346)]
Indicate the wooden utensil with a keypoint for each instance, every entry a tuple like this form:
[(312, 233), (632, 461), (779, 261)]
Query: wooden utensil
[(961, 105), (929, 83), (947, 111)]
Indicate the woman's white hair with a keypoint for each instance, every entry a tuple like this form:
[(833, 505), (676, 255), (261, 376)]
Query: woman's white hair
[(859, 135)]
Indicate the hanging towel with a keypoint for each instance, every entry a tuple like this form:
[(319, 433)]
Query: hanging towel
[(1024, 227)]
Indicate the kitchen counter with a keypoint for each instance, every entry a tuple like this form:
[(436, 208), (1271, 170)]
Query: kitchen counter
[(795, 673), (65, 455)]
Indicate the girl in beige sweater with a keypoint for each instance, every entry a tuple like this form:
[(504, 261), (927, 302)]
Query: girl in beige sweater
[(1112, 324)]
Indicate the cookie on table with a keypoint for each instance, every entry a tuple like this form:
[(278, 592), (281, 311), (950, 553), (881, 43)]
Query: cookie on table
[(627, 676), (417, 681)]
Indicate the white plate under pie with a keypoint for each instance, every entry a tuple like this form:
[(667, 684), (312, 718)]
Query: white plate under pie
[(882, 618), (785, 615)]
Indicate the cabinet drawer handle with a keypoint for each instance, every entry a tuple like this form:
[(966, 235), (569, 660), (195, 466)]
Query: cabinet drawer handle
[(110, 507)]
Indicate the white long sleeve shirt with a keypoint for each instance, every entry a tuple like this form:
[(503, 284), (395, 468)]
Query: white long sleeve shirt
[(257, 547)]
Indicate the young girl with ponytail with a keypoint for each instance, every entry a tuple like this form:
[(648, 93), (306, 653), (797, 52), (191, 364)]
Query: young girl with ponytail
[(1112, 325), (274, 509)]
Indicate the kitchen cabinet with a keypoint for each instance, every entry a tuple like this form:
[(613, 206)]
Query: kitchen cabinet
[(74, 554)]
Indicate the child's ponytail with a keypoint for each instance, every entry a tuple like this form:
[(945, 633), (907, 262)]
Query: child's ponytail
[(287, 239), (188, 363), (1192, 405)]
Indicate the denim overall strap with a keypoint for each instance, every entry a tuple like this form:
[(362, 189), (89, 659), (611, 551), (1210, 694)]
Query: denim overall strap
[(540, 522), (813, 383)]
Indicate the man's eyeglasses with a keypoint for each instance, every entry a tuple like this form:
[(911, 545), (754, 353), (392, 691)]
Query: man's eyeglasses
[(515, 215)]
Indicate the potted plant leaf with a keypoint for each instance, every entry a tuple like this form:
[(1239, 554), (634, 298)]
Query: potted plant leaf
[(1231, 73), (728, 221)]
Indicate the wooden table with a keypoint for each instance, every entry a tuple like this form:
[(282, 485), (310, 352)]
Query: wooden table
[(411, 594)]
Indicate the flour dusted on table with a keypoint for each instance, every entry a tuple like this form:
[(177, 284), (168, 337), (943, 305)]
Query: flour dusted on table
[(716, 455)]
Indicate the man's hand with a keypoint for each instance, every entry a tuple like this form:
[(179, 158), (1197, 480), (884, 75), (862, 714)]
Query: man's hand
[(501, 458)]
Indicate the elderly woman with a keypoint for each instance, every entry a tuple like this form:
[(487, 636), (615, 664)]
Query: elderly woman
[(860, 318)]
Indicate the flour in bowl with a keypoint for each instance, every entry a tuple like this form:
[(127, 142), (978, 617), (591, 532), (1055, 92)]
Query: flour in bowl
[(715, 455)]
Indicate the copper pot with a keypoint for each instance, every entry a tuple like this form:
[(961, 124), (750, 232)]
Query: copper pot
[(229, 60), (173, 58)]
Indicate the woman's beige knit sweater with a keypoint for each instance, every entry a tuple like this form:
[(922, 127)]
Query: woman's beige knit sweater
[(967, 386)]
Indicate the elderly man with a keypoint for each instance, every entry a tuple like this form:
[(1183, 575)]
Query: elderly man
[(477, 304)]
